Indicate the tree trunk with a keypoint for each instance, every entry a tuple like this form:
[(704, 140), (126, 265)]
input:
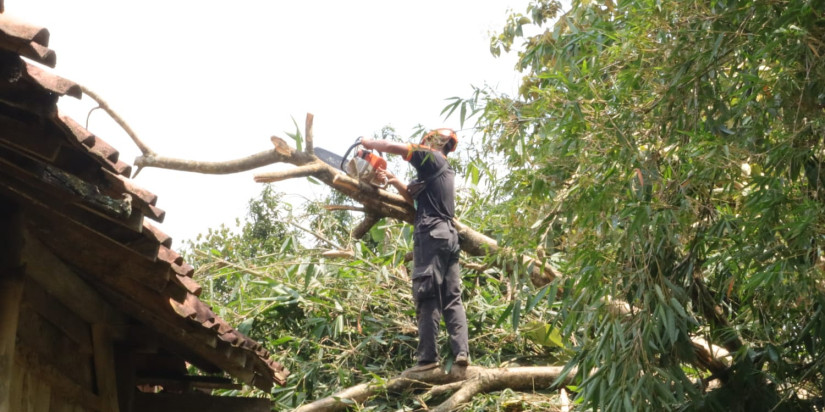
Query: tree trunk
[(464, 383)]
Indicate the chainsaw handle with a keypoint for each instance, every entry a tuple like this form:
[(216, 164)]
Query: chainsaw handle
[(346, 154)]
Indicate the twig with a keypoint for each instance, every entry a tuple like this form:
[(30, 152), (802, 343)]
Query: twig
[(333, 208), (317, 236), (105, 106)]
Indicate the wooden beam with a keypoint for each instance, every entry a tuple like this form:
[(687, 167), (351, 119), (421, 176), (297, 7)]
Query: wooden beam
[(98, 255), (187, 383), (105, 371), (126, 383), (193, 340), (11, 291), (29, 133), (165, 402), (42, 393)]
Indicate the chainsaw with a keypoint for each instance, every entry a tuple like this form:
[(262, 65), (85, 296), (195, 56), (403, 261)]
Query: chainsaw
[(363, 166)]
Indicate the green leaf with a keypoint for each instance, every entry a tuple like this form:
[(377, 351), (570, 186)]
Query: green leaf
[(505, 314), (542, 334), (538, 297), (516, 314), (297, 137), (245, 326), (282, 340)]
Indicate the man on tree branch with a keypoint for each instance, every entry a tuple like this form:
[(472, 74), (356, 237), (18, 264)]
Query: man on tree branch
[(436, 278)]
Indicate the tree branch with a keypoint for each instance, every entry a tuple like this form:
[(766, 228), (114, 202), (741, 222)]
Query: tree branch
[(119, 120), (309, 134), (467, 382), (369, 221), (216, 168), (310, 169)]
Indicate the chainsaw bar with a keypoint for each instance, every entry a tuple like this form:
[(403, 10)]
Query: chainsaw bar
[(329, 158)]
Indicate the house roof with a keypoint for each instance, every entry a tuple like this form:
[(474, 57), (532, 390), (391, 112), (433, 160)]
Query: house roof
[(85, 208)]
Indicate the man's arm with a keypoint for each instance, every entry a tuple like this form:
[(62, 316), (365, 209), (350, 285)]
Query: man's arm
[(386, 146), (400, 186), (400, 149)]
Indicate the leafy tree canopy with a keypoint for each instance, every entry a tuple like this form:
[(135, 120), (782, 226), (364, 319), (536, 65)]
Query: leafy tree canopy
[(670, 155), (665, 156)]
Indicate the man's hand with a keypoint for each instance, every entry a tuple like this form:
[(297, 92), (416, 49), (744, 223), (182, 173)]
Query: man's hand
[(400, 186)]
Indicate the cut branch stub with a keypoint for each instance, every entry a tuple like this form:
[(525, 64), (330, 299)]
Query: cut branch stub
[(310, 146)]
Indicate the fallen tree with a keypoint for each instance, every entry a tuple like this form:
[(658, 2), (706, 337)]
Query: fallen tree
[(462, 383), (377, 204)]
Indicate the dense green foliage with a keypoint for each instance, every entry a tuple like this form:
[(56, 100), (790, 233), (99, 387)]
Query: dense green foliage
[(335, 323), (669, 154)]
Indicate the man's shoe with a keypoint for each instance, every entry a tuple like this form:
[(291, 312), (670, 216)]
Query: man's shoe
[(422, 367), (462, 359)]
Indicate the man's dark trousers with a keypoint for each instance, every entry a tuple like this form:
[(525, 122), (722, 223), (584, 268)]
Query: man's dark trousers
[(437, 290)]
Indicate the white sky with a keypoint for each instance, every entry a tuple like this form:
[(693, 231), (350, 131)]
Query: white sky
[(212, 80)]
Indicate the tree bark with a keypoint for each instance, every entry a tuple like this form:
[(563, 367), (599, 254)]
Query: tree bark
[(463, 382)]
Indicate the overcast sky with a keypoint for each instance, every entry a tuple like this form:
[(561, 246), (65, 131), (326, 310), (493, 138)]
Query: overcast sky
[(212, 80)]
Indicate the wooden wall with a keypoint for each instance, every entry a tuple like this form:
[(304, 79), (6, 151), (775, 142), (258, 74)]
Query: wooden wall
[(53, 367), (64, 348), (51, 358)]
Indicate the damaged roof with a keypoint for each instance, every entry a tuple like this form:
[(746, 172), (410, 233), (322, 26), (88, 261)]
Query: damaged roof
[(85, 208)]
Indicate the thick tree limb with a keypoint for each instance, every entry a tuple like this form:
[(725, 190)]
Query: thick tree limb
[(301, 171), (369, 221), (466, 382)]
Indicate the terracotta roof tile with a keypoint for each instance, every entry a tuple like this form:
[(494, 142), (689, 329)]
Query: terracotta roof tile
[(211, 325), (168, 255), (27, 40), (103, 152), (52, 83), (21, 31), (157, 214), (190, 285), (184, 270), (100, 148), (163, 238), (143, 194), (82, 135)]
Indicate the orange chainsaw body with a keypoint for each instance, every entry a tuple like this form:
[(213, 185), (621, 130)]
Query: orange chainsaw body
[(365, 166)]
